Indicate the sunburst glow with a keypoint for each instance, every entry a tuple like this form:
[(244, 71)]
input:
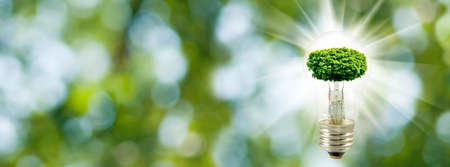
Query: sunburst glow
[(386, 89)]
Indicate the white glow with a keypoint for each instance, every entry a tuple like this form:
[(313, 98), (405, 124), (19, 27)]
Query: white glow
[(327, 21), (445, 1), (404, 17), (5, 8), (94, 61), (330, 32), (192, 145), (314, 157), (233, 82), (85, 4), (53, 58), (101, 111), (169, 66), (230, 149), (161, 37), (144, 26), (286, 136), (165, 96), (442, 30), (162, 163), (234, 22), (388, 143), (51, 16), (11, 72), (282, 91), (150, 33), (30, 161), (443, 127), (173, 129), (8, 135), (416, 36), (126, 153), (47, 92), (77, 130), (336, 39), (427, 10), (80, 164), (261, 101)]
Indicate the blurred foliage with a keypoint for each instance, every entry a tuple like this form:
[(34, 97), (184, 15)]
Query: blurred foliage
[(142, 93)]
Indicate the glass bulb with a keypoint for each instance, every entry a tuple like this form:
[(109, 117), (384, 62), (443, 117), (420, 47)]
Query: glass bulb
[(336, 131), (336, 102)]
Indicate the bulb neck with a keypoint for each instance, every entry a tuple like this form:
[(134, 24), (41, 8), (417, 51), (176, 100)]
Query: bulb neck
[(336, 139), (336, 102)]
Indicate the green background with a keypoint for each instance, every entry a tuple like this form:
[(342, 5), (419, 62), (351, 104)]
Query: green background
[(165, 83)]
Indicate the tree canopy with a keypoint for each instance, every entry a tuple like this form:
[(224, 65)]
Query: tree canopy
[(337, 64)]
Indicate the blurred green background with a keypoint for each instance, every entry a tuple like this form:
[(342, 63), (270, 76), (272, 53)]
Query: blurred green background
[(197, 83)]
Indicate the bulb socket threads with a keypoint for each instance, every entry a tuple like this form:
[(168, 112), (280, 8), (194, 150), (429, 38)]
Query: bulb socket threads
[(336, 139)]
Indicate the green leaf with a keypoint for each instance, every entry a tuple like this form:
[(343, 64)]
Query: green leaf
[(337, 64)]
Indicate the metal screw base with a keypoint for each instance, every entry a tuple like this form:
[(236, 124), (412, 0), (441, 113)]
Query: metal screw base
[(336, 139)]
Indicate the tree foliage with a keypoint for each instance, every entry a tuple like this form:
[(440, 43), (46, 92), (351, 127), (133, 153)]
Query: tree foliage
[(337, 64)]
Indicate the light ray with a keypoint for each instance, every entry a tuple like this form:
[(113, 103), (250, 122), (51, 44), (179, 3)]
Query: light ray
[(314, 129), (372, 88), (394, 64), (342, 20), (371, 32), (272, 122), (327, 19), (396, 107), (278, 28), (399, 87), (300, 44), (314, 107), (276, 74), (375, 82), (366, 112), (369, 17), (308, 19), (390, 36)]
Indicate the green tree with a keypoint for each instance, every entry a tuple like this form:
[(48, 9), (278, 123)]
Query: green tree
[(337, 64)]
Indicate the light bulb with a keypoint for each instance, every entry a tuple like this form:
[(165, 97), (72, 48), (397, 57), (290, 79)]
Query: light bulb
[(336, 65), (336, 130)]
